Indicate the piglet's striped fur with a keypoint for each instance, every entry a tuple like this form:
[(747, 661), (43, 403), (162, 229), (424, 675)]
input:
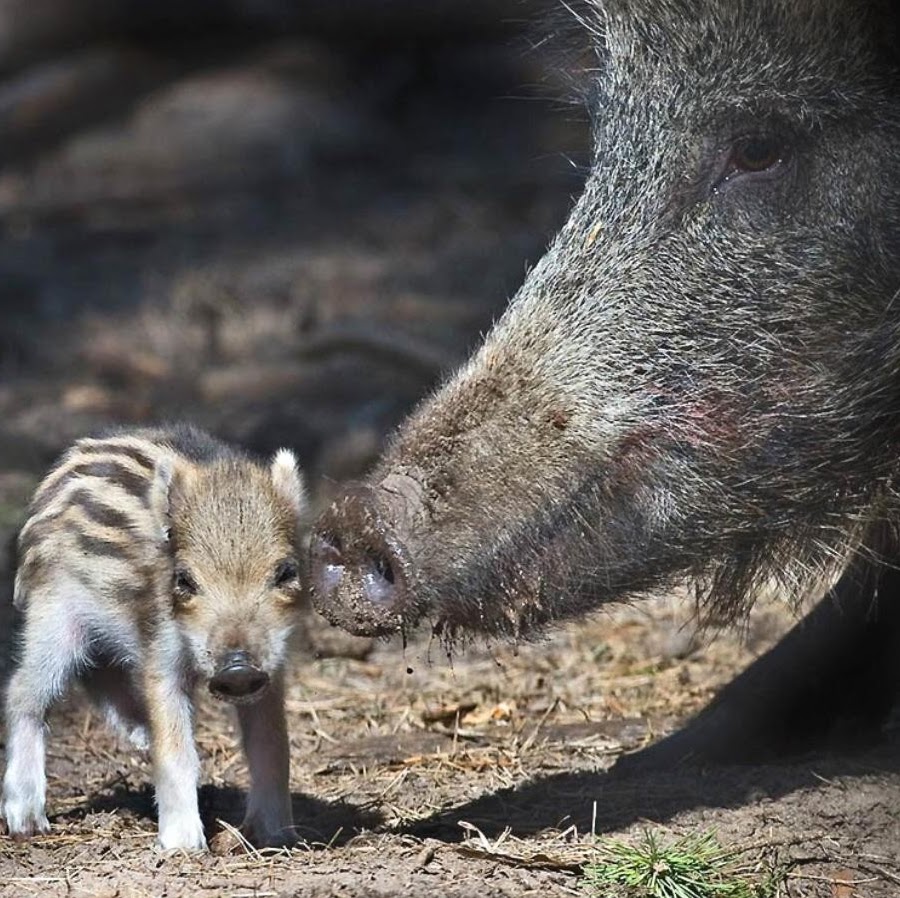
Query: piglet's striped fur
[(152, 562)]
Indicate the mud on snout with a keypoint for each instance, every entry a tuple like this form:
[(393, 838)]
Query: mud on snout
[(361, 571)]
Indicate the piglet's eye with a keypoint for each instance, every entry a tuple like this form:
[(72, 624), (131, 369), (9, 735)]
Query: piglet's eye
[(184, 583), (286, 572)]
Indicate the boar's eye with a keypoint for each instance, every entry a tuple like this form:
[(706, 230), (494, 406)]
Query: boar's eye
[(184, 584), (286, 572), (757, 153), (754, 154)]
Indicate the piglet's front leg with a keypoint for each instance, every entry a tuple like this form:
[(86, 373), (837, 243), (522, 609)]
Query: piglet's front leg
[(269, 818), (176, 766)]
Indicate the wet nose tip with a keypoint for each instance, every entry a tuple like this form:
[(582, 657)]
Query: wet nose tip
[(238, 677), (357, 566), (375, 568)]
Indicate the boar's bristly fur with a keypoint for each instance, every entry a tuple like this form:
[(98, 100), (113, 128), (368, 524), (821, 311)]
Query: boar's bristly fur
[(700, 379)]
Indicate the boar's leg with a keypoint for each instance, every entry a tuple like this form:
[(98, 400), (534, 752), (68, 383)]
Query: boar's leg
[(834, 676), (269, 820)]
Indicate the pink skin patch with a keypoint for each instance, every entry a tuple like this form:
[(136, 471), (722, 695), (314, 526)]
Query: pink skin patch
[(698, 423)]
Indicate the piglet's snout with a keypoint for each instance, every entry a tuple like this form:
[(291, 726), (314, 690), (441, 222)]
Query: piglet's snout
[(238, 679)]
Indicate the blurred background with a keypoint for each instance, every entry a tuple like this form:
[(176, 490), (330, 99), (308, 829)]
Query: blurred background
[(284, 221)]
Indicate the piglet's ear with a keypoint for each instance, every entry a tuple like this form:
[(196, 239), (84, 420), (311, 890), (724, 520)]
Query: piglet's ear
[(288, 481), (160, 496)]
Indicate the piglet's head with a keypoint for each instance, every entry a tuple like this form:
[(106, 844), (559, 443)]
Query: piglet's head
[(235, 588)]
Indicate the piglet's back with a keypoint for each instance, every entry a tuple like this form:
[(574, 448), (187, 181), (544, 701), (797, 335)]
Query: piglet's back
[(91, 520)]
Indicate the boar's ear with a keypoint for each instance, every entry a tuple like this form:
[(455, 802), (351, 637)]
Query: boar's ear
[(162, 492), (287, 480)]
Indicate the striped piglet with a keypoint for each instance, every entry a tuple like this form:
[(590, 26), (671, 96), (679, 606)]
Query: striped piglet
[(154, 560)]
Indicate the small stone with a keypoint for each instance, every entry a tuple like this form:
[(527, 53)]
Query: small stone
[(226, 842)]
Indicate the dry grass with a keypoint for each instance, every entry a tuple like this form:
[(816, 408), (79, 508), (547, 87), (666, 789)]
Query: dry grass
[(378, 747), (484, 775)]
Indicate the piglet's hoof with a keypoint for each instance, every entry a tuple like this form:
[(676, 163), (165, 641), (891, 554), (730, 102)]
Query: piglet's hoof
[(25, 825)]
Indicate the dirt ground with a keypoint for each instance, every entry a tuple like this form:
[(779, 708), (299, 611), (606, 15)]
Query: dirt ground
[(306, 292), (482, 777)]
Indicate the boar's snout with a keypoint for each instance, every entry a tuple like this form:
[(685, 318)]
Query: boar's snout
[(359, 567), (238, 679)]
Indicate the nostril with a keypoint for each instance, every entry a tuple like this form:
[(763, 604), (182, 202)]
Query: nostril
[(236, 659), (383, 567), (257, 681), (378, 579)]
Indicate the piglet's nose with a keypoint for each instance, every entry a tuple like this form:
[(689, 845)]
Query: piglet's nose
[(238, 678), (358, 565)]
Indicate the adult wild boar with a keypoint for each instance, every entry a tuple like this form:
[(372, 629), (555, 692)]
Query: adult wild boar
[(701, 378)]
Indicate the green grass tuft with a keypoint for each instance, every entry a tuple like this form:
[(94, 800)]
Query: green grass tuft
[(695, 866)]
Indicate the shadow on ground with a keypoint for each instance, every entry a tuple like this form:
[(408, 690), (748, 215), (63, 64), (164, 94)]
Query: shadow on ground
[(613, 800), (321, 824), (827, 687)]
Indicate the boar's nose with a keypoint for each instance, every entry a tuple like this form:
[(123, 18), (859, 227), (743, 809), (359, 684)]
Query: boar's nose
[(238, 678), (358, 566)]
